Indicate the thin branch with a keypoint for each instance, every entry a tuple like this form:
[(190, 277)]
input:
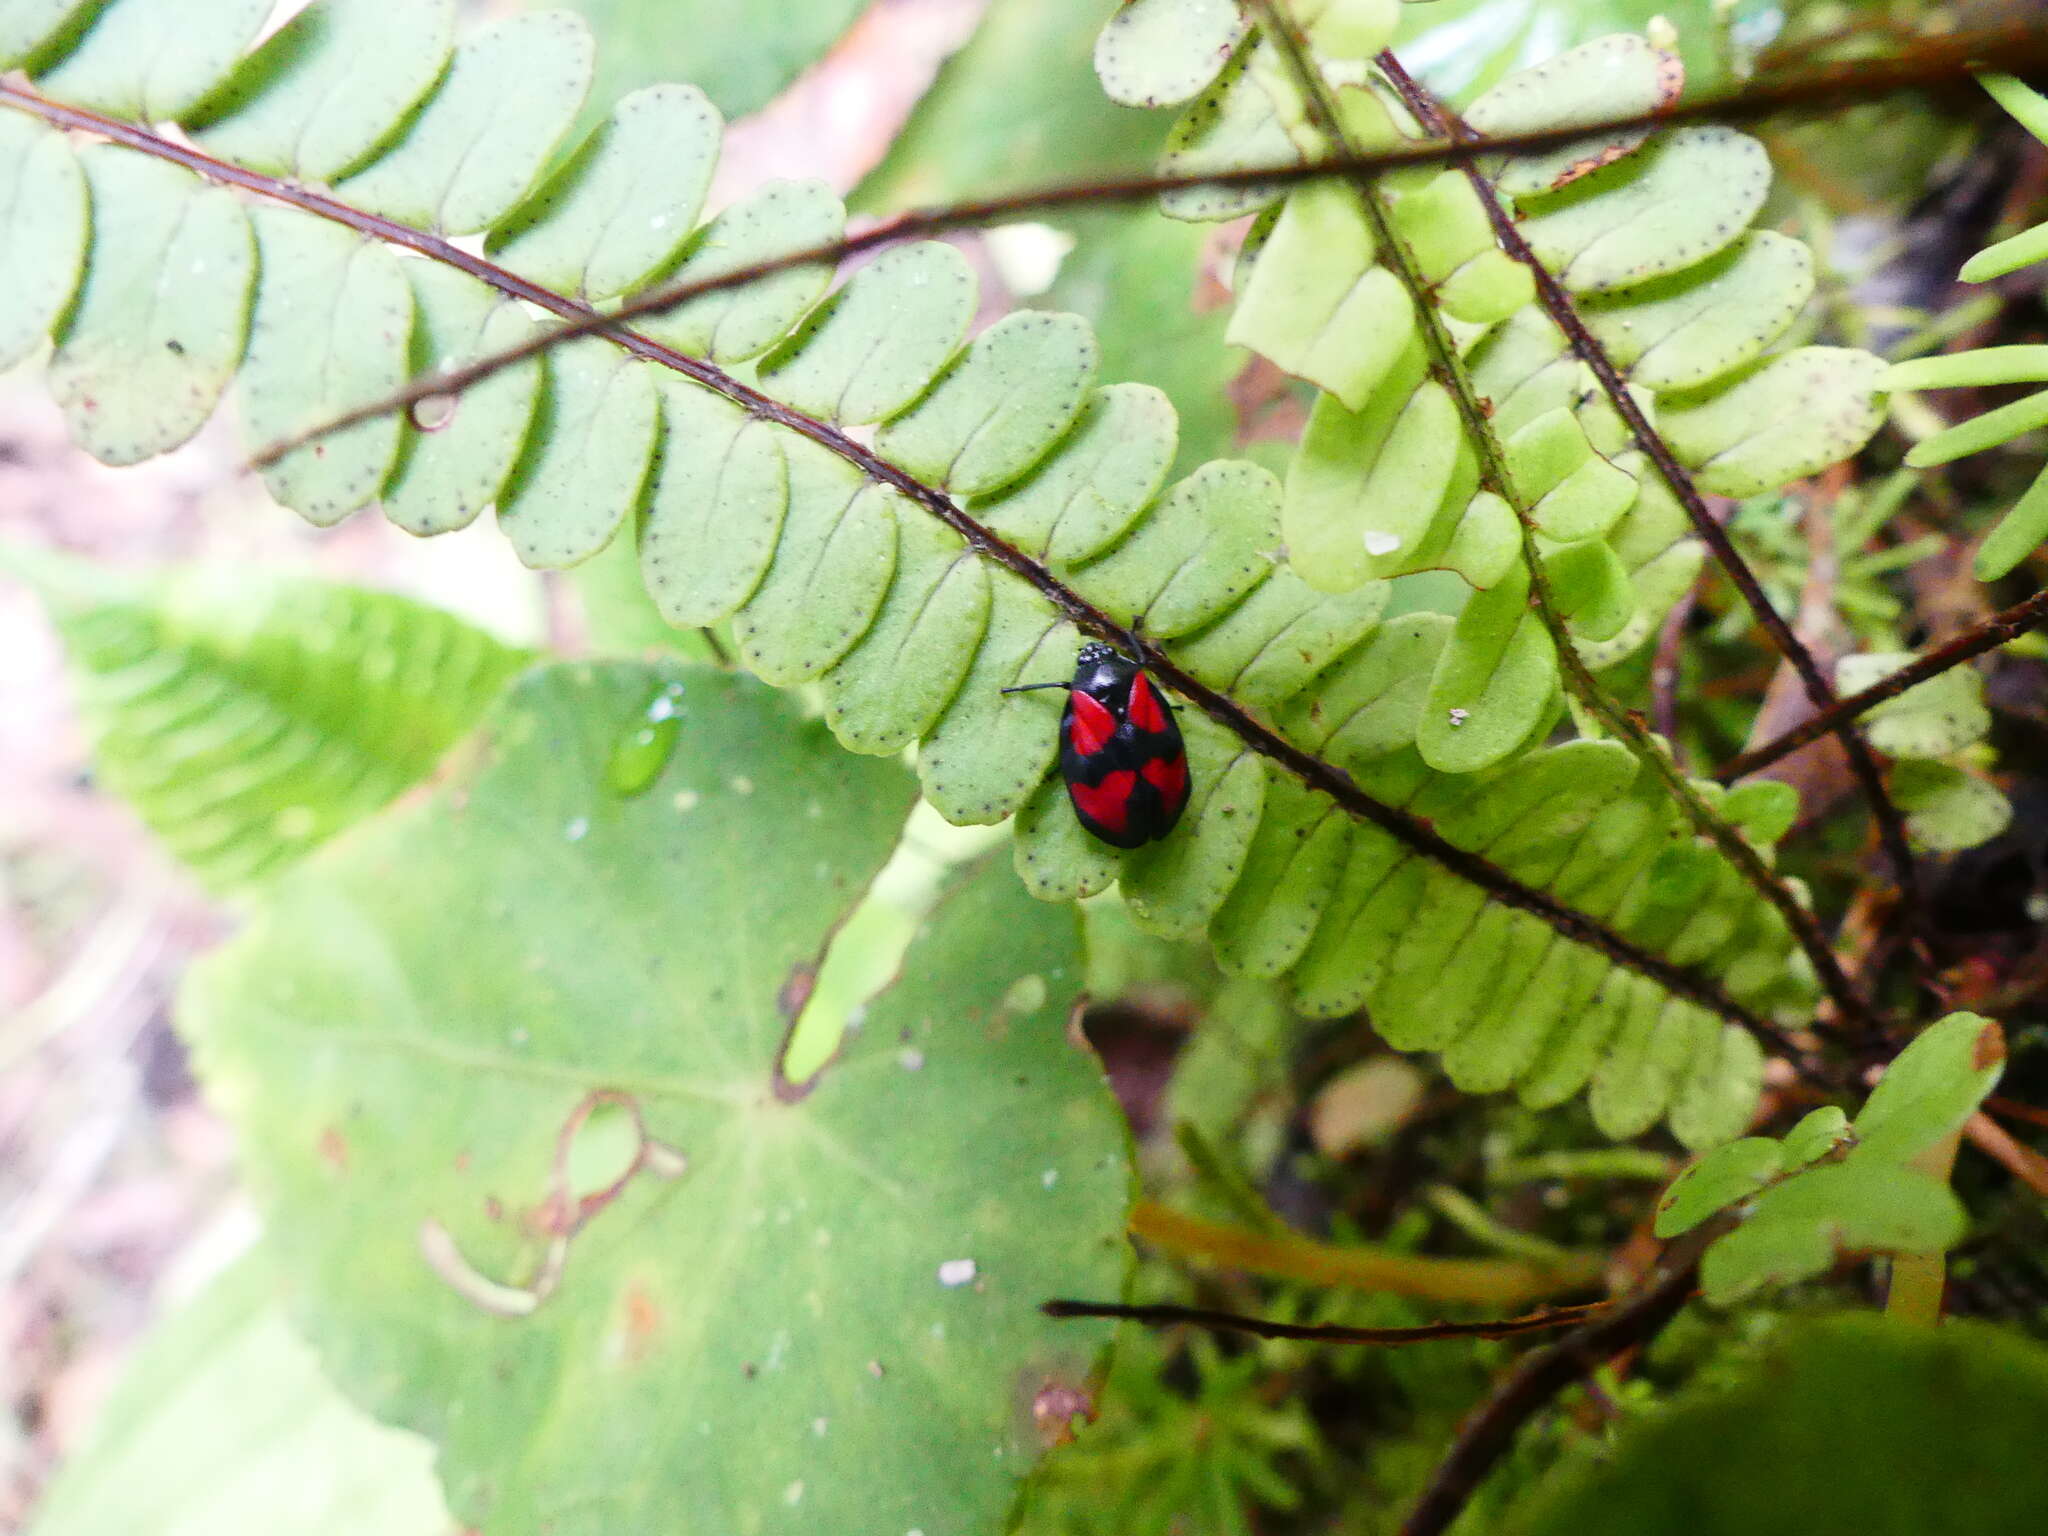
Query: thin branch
[(2006, 625), (1490, 1431), (1447, 368), (1410, 831), (2017, 48), (1328, 1333), (1557, 303)]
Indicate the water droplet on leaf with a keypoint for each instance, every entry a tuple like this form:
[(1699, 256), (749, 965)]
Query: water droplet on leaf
[(638, 759)]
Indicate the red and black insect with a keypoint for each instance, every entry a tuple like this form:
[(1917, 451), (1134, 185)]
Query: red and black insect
[(1120, 750)]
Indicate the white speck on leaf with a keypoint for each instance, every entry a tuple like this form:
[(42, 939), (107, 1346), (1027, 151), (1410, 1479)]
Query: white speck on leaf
[(819, 1426), (956, 1272), (742, 785), (910, 1059), (794, 1493), (1379, 543), (1459, 717), (686, 799), (578, 829), (1050, 1177)]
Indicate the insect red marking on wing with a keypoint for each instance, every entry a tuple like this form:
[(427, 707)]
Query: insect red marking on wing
[(1108, 802), (1147, 711), (1168, 775), (1093, 725)]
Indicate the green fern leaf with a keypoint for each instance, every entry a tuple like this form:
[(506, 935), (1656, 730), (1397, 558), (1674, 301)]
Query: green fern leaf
[(249, 718), (152, 63), (42, 234)]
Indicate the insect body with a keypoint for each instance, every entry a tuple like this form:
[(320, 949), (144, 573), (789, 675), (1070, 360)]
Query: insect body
[(1120, 750)]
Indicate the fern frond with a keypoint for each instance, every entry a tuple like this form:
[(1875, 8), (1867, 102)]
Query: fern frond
[(249, 718), (1008, 499)]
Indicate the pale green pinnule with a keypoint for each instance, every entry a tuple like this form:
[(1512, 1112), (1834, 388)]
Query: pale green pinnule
[(483, 138), (1930, 1088), (1571, 1051), (329, 88), (1717, 1095), (1787, 416), (2007, 256), (157, 328), (1724, 1177), (1932, 719), (1000, 407), (1174, 886), (1271, 646), (1416, 1000), (152, 62), (873, 347), (1082, 499), (332, 327), (1999, 425), (43, 215), (586, 457), (715, 508), (1532, 813), (1817, 1134), (453, 466), (893, 686), (1640, 1071), (1289, 872), (622, 206), (1345, 30), (1685, 196), (1367, 704), (1621, 75), (2018, 535), (1449, 236), (1054, 855), (1590, 589), (1232, 125), (990, 751), (1207, 544), (1158, 53), (1345, 954), (1317, 304), (1976, 368), (1690, 328), (731, 325), (831, 570), (1536, 969), (26, 25), (1492, 683), (1486, 543), (1799, 1227)]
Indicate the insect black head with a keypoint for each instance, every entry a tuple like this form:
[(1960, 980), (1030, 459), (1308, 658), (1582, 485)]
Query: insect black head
[(1093, 652)]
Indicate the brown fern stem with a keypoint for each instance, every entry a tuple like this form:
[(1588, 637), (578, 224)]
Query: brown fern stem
[(1446, 368), (1410, 831), (1557, 303), (2005, 625)]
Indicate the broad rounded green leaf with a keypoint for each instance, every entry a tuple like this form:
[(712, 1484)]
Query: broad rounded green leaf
[(1677, 201), (1618, 76), (1174, 886), (223, 1422), (1156, 53), (42, 233), (1207, 544), (990, 750), (1000, 408), (1486, 544), (1573, 492), (248, 718), (1231, 125), (1930, 1088), (1492, 685), (1799, 1227), (715, 510), (153, 62), (831, 569), (1081, 498), (1367, 704), (1931, 719), (1590, 588), (1785, 417), (1317, 303), (158, 325), (731, 325), (1854, 1424), (456, 453), (490, 127), (1688, 329), (586, 457), (873, 347), (1717, 1181), (1946, 808), (896, 682), (328, 87), (1718, 1092), (332, 329), (852, 1268), (625, 202)]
